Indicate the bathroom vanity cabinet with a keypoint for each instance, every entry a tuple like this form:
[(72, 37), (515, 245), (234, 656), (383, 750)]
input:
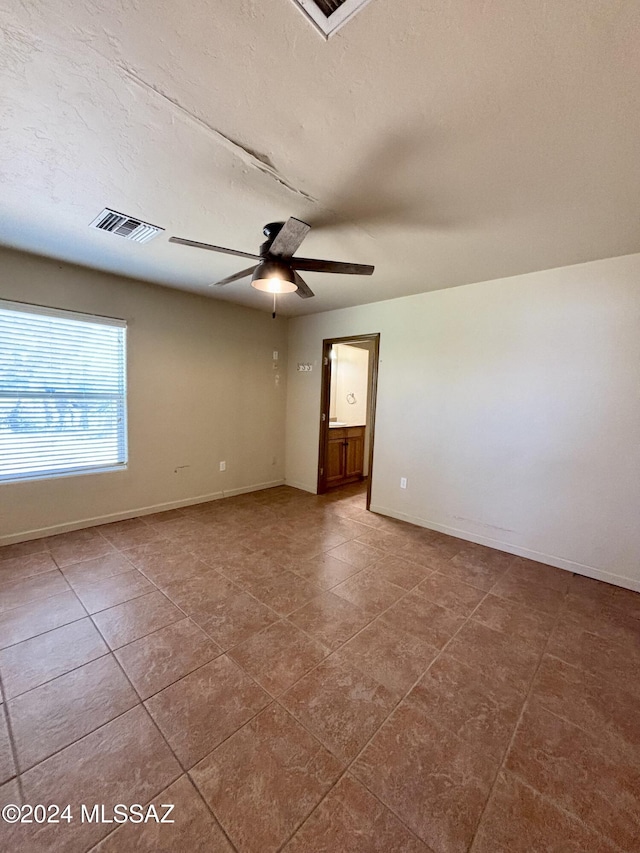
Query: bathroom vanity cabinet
[(345, 455)]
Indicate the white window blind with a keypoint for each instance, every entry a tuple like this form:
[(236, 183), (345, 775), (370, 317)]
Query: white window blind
[(62, 392)]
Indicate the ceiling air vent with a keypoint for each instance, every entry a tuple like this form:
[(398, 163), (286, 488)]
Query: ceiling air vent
[(125, 226), (330, 15)]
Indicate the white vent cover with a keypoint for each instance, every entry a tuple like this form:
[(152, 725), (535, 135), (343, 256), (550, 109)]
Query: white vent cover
[(330, 15), (125, 226)]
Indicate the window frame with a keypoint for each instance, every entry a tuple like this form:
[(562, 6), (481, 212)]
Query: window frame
[(122, 435)]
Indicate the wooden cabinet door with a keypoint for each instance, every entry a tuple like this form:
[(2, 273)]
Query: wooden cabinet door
[(354, 462), (335, 462)]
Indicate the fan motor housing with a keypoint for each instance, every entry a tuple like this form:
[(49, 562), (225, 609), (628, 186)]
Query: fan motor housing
[(270, 231)]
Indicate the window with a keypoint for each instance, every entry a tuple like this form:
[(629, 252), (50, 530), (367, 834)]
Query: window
[(62, 393)]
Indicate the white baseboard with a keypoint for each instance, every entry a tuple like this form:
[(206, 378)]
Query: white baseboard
[(528, 553), (304, 487), (65, 527), (257, 487)]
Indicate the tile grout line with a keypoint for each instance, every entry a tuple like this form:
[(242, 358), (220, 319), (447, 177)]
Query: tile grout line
[(12, 744), (505, 755), (49, 681), (614, 845), (374, 618), (587, 672), (187, 771), (110, 653), (347, 768), (211, 812), (275, 700), (141, 701)]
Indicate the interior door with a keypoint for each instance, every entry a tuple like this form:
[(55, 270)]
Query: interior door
[(330, 459)]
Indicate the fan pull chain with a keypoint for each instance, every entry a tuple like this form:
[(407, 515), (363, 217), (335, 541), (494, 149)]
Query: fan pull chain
[(273, 316)]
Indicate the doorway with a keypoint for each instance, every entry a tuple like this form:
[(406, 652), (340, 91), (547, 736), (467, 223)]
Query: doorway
[(347, 411)]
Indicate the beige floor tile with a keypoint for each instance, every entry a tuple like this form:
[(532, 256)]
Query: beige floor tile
[(356, 554), (79, 546), (416, 615), (194, 828), (519, 820), (199, 594), (340, 705), (400, 572), (25, 566), (134, 619), (459, 597), (22, 549), (107, 592), (509, 617), (129, 534), (541, 574), (198, 712), (125, 761), (455, 658), (369, 591), (91, 571), (604, 709), (235, 619), (573, 642), (576, 771), (324, 571), (505, 658), (479, 566), (605, 593), (529, 593), (57, 713), (395, 659), (157, 660), (40, 659), (167, 569), (476, 708), (330, 619), (39, 616), (7, 765), (285, 593), (351, 819), (265, 780), (30, 589), (436, 783), (278, 656)]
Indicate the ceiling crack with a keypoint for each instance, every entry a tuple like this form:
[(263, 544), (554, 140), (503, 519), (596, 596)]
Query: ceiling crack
[(247, 155)]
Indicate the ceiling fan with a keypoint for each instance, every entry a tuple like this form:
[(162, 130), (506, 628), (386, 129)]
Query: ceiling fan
[(276, 268)]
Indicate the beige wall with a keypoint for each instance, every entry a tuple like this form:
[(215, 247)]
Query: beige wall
[(512, 407), (202, 388)]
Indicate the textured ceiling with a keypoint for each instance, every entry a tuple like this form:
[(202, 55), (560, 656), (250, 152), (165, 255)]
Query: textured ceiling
[(445, 142)]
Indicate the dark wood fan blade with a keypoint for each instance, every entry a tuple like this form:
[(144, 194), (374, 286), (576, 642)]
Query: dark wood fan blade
[(230, 278), (183, 242), (303, 288), (313, 265), (289, 238)]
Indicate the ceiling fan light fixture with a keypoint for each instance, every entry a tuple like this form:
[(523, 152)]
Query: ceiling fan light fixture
[(273, 277)]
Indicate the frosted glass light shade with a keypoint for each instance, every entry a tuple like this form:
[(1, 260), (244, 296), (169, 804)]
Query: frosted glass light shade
[(273, 277)]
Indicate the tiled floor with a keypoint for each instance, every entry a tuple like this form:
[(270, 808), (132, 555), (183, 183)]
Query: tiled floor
[(294, 673)]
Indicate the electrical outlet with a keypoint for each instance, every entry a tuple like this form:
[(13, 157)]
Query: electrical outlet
[(403, 482), (223, 466)]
